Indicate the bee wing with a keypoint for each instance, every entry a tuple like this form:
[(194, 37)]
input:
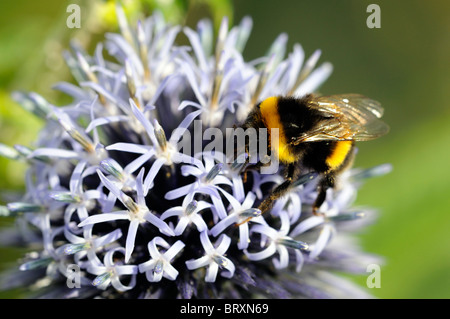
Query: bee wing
[(347, 117), (355, 106)]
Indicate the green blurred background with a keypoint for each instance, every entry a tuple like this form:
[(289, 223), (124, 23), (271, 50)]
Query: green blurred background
[(404, 64)]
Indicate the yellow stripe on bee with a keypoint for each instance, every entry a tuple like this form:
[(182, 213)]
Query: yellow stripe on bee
[(271, 118), (338, 155)]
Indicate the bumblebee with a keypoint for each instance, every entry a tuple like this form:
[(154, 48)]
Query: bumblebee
[(315, 133)]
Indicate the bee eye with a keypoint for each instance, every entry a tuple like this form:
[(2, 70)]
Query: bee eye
[(293, 125)]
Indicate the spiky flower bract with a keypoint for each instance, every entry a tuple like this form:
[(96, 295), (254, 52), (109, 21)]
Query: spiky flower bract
[(114, 208)]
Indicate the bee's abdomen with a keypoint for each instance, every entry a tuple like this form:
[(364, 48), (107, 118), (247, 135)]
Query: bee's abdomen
[(327, 156), (338, 154)]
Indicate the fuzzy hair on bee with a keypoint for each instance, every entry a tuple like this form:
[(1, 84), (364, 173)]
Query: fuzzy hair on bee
[(315, 134)]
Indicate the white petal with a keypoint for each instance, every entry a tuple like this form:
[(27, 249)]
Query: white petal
[(144, 121), (138, 162), (307, 224), (230, 267), (153, 249), (284, 257), (181, 191), (108, 238), (130, 147), (115, 281), (95, 219), (300, 260), (75, 179), (170, 272), (54, 152), (131, 238), (187, 70), (181, 226), (322, 241), (174, 211), (106, 120), (148, 265), (206, 243), (156, 166), (197, 47), (140, 187), (162, 226), (108, 259), (126, 270), (178, 132), (110, 185), (243, 236), (197, 263), (211, 272), (222, 244), (266, 253), (314, 80), (223, 224), (174, 250), (199, 222)]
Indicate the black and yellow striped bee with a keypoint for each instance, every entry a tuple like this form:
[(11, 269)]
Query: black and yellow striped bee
[(316, 134)]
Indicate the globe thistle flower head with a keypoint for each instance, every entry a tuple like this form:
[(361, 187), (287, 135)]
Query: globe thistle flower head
[(114, 191)]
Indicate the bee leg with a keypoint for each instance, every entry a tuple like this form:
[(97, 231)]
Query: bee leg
[(326, 182), (280, 190), (245, 166), (254, 167)]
